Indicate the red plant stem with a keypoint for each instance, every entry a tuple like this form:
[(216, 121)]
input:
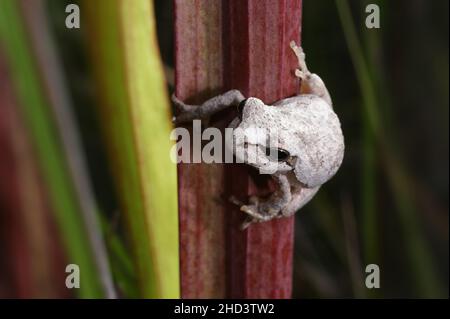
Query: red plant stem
[(232, 45)]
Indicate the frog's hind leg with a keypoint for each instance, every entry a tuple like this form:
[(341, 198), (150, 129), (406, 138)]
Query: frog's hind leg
[(259, 210), (300, 197), (311, 82)]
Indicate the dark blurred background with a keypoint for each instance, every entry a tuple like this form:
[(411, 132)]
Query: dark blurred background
[(388, 204)]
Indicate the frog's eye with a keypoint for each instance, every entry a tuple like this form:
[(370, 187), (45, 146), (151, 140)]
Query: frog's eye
[(277, 154), (240, 108)]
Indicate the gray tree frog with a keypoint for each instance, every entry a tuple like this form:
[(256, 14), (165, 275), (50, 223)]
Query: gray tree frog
[(308, 152)]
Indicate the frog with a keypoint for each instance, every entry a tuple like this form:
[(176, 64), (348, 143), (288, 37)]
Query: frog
[(301, 145)]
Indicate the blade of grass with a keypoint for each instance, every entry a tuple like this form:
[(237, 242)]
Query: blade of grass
[(135, 117), (14, 170), (352, 247), (36, 253), (370, 126), (39, 121)]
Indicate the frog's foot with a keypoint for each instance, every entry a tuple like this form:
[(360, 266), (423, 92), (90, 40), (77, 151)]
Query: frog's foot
[(302, 72), (185, 111), (180, 106), (301, 75), (248, 221), (257, 212)]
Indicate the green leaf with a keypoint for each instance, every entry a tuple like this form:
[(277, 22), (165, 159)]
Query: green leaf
[(136, 120)]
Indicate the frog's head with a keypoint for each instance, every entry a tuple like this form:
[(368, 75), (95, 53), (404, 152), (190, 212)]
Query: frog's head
[(254, 139), (304, 138)]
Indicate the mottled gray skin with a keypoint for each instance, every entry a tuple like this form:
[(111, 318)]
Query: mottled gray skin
[(305, 126)]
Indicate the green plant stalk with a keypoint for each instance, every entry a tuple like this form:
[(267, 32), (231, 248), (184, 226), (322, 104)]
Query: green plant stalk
[(39, 121), (121, 264), (136, 121), (369, 182), (368, 199), (370, 127)]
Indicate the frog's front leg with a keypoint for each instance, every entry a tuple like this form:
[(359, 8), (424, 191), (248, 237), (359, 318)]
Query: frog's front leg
[(311, 82), (261, 211), (218, 103)]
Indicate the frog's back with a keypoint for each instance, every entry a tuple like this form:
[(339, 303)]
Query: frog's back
[(300, 100), (306, 111), (315, 131)]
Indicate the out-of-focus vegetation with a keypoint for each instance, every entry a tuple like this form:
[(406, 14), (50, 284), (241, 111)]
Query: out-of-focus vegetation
[(38, 118), (387, 205), (119, 97)]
